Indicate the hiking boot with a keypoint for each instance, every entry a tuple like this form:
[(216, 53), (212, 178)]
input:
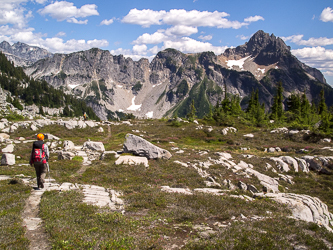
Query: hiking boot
[(42, 185)]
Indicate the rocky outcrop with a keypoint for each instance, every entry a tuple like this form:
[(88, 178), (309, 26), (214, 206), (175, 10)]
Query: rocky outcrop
[(304, 207), (132, 160), (139, 146), (22, 54), (8, 159)]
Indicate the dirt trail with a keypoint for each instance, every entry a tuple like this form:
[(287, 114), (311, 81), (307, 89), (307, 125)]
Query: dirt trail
[(35, 233)]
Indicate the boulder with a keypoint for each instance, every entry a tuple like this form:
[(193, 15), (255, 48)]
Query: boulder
[(242, 185), (8, 149), (302, 165), (90, 123), (68, 145), (8, 159), (281, 164), (132, 160), (4, 136), (65, 155), (51, 137), (304, 207), (95, 146), (269, 184), (139, 146), (252, 189), (100, 130), (33, 127), (81, 124), (291, 161), (314, 164)]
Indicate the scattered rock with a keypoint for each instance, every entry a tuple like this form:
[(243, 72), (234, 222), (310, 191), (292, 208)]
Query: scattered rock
[(8, 149), (139, 146), (132, 160), (7, 159), (95, 146), (65, 155)]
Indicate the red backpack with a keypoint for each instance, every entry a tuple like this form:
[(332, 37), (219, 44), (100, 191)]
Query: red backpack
[(38, 153)]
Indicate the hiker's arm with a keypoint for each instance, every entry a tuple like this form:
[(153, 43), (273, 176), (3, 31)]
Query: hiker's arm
[(47, 153)]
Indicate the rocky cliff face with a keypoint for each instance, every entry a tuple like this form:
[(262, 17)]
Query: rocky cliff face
[(168, 84), (22, 54)]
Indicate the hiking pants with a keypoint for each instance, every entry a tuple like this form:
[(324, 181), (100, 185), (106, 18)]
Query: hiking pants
[(41, 169)]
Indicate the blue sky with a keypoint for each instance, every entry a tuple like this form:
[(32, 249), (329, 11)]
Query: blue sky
[(142, 28)]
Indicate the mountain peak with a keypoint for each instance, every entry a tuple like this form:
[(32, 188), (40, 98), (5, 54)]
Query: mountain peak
[(263, 41)]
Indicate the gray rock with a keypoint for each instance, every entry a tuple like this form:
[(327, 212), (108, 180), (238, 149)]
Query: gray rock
[(33, 127), (8, 149), (291, 161), (252, 189), (304, 207), (281, 164), (65, 155), (8, 159), (132, 160), (303, 165), (95, 146), (314, 163), (269, 183), (242, 185), (100, 130), (4, 136), (68, 145), (139, 146)]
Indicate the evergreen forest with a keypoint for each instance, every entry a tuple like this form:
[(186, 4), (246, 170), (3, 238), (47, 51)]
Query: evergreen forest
[(37, 92)]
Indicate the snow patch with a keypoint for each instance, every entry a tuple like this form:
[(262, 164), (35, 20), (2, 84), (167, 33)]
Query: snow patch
[(150, 114), (239, 63), (276, 67), (134, 107), (119, 86), (120, 110), (262, 70), (156, 85), (72, 86)]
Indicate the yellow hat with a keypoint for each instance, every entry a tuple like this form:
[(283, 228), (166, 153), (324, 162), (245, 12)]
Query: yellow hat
[(40, 137)]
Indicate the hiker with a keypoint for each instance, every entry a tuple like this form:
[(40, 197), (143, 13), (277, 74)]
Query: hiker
[(85, 117), (39, 158)]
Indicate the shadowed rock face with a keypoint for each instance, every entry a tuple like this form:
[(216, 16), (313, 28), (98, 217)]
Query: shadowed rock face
[(139, 146)]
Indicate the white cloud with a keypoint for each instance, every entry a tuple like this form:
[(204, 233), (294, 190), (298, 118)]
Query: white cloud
[(74, 20), (317, 57), (61, 33), (145, 18), (106, 22), (193, 18), (181, 30), (155, 38), (253, 19), (67, 11), (298, 39), (327, 15), (189, 45), (242, 37), (140, 49), (206, 38), (54, 44), (12, 13), (41, 1)]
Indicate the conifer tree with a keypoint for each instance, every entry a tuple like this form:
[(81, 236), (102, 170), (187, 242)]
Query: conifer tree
[(192, 113), (277, 107)]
